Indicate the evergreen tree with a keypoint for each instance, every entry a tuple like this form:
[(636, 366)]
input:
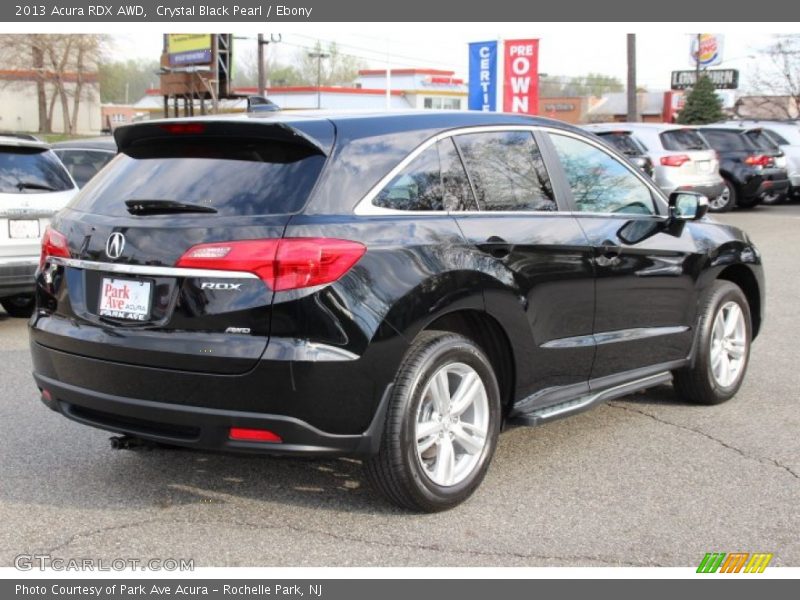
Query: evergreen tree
[(702, 105)]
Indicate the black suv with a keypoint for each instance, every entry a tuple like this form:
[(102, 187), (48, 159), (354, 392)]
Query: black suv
[(749, 170), (392, 286)]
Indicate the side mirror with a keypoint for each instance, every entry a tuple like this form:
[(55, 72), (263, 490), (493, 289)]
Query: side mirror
[(687, 206)]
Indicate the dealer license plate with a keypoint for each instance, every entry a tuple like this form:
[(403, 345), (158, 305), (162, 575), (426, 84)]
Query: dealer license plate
[(23, 229), (125, 299)]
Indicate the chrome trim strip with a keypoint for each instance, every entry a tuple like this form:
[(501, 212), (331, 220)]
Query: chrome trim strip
[(19, 262), (291, 349), (155, 271), (612, 337)]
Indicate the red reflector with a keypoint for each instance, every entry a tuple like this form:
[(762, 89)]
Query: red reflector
[(47, 397), (674, 160), (243, 434), (283, 264), (183, 128), (53, 244)]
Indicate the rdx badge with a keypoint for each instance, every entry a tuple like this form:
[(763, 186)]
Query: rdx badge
[(211, 285)]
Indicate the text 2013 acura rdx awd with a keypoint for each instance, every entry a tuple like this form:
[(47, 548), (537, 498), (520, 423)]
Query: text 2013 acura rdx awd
[(391, 286)]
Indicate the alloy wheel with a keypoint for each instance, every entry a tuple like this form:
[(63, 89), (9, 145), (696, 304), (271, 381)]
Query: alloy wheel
[(452, 424), (728, 344)]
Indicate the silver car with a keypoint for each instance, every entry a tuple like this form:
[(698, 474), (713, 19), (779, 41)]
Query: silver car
[(681, 158), (786, 136), (34, 185)]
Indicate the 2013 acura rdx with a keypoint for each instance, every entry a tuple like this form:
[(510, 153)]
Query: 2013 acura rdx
[(392, 286)]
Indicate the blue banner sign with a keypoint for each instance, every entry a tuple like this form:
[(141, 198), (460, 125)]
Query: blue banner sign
[(483, 76)]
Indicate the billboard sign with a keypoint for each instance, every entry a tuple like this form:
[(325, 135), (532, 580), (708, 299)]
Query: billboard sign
[(186, 49), (711, 45), (723, 79), (483, 76), (521, 76)]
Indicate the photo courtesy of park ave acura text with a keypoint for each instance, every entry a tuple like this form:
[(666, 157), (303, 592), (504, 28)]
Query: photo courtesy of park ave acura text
[(435, 295)]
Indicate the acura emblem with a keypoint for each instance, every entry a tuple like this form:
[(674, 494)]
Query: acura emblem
[(115, 245)]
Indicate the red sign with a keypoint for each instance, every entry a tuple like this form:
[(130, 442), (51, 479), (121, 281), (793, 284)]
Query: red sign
[(521, 77)]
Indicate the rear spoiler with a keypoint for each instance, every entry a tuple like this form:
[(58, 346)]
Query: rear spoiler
[(317, 135)]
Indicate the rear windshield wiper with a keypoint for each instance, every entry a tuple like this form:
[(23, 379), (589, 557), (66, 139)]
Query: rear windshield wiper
[(163, 207), (32, 185)]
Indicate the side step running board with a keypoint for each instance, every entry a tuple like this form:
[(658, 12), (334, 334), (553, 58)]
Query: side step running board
[(571, 407)]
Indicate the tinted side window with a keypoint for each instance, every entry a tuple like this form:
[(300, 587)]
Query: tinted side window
[(507, 171), (761, 140), (84, 164), (727, 141), (417, 187), (599, 182), (682, 139)]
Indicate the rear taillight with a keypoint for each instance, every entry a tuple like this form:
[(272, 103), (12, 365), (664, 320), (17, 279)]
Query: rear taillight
[(758, 160), (674, 160), (284, 264), (53, 244)]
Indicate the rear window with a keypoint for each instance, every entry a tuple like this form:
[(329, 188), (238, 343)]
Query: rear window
[(682, 139), (234, 177), (776, 137), (727, 141), (623, 141), (31, 171)]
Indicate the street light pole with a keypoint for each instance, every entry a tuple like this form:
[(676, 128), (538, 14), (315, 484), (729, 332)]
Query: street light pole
[(262, 75), (319, 56)]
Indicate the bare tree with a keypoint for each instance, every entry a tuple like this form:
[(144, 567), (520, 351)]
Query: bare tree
[(61, 66), (778, 76)]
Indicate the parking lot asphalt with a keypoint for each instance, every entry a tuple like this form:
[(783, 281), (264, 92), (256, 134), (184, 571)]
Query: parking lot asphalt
[(643, 481)]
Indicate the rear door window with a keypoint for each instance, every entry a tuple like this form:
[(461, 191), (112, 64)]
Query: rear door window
[(435, 180), (507, 171), (30, 171), (233, 177), (682, 139)]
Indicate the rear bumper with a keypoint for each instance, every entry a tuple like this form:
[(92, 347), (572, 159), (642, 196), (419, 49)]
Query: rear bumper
[(17, 275), (710, 191), (777, 186), (204, 428)]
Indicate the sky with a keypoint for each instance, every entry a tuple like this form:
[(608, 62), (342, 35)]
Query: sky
[(565, 49)]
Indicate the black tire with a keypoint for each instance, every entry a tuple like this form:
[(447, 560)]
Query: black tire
[(397, 470), (697, 382), (725, 201), (773, 199), (20, 306)]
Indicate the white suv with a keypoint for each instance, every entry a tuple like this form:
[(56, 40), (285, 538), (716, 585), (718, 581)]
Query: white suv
[(33, 186), (681, 158)]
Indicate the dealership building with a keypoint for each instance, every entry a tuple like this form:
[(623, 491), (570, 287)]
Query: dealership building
[(407, 89)]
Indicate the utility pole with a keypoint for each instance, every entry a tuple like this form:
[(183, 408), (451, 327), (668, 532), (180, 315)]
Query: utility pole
[(319, 56), (632, 108), (262, 70), (697, 60)]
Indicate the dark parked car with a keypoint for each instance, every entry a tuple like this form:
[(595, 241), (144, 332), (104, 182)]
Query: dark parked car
[(84, 158), (397, 287), (749, 171), (627, 144)]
